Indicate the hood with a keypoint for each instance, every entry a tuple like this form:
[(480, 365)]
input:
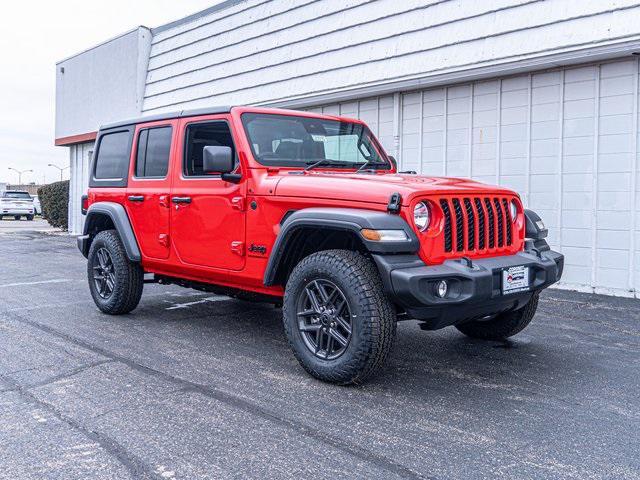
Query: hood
[(376, 188)]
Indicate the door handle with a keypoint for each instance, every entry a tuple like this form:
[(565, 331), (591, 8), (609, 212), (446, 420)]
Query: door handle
[(181, 199), (136, 198)]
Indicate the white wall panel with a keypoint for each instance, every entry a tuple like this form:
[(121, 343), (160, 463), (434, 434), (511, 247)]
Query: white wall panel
[(566, 140), (103, 84), (288, 51), (79, 160)]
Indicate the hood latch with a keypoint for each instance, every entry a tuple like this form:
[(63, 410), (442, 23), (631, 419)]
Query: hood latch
[(395, 201)]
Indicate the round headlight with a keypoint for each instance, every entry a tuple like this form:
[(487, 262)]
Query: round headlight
[(421, 216), (513, 210)]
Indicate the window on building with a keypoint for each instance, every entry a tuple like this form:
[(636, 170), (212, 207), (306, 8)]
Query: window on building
[(112, 162), (154, 148), (200, 135)]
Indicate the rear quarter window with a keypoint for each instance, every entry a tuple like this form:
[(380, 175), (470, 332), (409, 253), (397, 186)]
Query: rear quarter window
[(111, 163)]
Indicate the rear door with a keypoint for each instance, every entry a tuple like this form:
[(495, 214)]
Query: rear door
[(147, 199), (207, 213)]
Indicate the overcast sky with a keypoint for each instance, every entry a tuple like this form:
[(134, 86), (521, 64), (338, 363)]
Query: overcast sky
[(33, 37)]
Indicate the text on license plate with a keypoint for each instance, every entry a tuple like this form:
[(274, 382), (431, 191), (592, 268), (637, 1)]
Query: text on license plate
[(515, 279)]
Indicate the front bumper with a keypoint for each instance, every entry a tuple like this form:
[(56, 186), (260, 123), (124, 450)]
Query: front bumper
[(474, 291)]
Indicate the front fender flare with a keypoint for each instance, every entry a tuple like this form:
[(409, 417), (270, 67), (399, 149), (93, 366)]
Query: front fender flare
[(120, 220), (346, 219)]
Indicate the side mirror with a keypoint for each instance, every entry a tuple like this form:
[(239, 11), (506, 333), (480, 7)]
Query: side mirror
[(394, 163), (218, 159)]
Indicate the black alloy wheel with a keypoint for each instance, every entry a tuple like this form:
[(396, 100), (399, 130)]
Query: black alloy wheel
[(324, 319), (337, 317), (104, 275)]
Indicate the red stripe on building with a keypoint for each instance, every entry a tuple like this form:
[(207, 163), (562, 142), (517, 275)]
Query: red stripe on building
[(84, 137)]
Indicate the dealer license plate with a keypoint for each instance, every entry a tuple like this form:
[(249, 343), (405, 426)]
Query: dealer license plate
[(515, 279)]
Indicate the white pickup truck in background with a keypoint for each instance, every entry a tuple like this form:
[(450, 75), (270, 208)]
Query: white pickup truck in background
[(16, 204)]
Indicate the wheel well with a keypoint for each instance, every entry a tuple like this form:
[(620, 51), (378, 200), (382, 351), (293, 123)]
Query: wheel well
[(97, 223), (307, 240)]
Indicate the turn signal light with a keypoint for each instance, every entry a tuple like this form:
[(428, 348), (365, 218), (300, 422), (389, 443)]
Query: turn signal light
[(384, 235)]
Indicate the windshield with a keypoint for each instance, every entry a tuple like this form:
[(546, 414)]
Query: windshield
[(21, 195), (291, 141)]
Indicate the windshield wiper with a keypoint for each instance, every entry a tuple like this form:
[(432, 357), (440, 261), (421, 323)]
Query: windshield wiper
[(326, 161), (369, 163)]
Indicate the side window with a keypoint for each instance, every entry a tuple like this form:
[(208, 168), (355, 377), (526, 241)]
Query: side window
[(112, 162), (200, 135), (154, 148)]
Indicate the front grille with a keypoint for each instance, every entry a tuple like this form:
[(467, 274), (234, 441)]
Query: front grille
[(476, 223)]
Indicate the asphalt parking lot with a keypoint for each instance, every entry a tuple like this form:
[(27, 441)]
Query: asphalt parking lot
[(10, 225), (192, 385)]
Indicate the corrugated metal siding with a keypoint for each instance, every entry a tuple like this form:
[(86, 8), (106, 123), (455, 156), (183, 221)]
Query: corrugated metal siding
[(566, 140), (80, 158), (280, 50)]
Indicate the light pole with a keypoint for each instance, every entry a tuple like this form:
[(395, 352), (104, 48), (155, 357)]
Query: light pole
[(62, 169), (20, 172)]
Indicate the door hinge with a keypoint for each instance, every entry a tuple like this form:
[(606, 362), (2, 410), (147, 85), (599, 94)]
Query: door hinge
[(238, 203), (163, 239), (237, 248)]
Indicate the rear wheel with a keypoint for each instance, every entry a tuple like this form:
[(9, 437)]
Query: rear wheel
[(337, 318), (30, 217), (16, 217), (504, 325), (115, 282)]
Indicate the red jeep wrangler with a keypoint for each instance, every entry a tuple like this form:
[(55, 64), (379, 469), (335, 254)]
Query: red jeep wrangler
[(308, 212)]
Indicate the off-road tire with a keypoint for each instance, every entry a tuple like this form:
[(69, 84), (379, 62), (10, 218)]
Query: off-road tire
[(502, 326), (374, 324), (30, 218), (129, 275)]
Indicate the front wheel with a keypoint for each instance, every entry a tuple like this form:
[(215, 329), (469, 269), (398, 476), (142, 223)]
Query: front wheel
[(30, 218), (337, 317), (504, 325), (115, 281)]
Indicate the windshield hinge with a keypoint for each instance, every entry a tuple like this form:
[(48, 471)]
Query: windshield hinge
[(395, 201)]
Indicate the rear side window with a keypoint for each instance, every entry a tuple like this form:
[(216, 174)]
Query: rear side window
[(112, 160), (154, 148)]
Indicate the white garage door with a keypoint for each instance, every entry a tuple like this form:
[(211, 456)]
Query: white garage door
[(566, 140)]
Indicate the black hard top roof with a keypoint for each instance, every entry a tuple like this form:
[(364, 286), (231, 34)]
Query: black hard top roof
[(168, 115)]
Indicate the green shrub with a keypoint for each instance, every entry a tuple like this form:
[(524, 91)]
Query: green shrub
[(54, 199)]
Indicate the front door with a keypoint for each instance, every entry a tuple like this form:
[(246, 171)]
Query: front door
[(147, 200), (207, 213)]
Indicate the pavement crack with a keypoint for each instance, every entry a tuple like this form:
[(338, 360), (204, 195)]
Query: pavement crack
[(240, 403), (66, 375), (133, 464)]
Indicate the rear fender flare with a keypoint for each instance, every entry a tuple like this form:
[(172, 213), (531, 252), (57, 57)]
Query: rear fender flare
[(120, 220)]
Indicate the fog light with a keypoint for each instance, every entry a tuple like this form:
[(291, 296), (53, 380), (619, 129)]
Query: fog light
[(441, 288)]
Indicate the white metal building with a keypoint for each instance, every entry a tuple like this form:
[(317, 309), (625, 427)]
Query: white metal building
[(540, 96)]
